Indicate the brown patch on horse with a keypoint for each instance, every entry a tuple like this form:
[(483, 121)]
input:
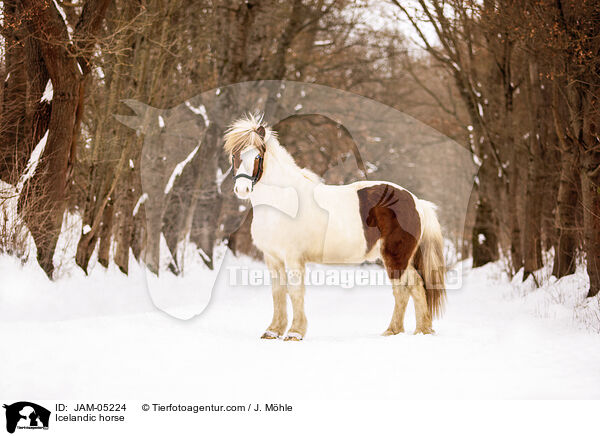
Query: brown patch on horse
[(236, 161), (390, 214), (257, 171)]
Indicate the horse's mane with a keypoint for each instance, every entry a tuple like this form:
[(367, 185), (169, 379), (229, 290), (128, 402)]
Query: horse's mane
[(243, 133), (285, 158)]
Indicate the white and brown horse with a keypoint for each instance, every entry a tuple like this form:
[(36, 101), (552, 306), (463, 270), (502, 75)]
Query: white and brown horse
[(362, 221)]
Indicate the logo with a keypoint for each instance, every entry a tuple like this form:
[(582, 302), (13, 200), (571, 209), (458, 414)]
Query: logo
[(26, 415)]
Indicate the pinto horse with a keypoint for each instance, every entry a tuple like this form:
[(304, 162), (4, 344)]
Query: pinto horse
[(362, 221)]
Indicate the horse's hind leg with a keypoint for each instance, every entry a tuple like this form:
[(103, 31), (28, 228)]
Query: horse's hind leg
[(280, 321), (417, 290), (401, 296)]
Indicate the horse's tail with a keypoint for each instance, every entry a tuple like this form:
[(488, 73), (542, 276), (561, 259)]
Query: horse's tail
[(429, 259)]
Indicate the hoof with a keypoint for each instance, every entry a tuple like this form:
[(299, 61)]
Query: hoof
[(390, 332), (269, 335), (293, 337), (425, 331)]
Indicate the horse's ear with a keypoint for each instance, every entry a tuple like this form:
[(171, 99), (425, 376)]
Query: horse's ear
[(261, 132)]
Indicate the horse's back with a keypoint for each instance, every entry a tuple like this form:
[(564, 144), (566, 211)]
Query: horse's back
[(332, 222)]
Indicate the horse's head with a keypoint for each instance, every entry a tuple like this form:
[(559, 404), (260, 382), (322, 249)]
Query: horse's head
[(245, 142)]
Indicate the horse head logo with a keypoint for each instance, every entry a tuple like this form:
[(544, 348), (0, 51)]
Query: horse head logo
[(27, 415), (187, 196)]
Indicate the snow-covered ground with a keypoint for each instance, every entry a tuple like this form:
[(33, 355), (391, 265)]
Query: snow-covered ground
[(562, 300), (102, 336)]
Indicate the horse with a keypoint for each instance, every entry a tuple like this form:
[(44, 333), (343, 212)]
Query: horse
[(333, 224)]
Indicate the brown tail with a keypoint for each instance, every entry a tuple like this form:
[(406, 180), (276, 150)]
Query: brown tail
[(429, 260)]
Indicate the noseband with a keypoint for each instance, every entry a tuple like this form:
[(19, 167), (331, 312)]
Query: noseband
[(254, 177)]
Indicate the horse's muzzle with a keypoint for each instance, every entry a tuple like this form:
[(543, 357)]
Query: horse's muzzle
[(242, 189)]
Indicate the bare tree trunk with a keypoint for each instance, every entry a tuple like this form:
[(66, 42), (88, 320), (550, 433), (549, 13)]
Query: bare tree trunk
[(100, 176), (14, 104), (566, 215), (105, 235), (533, 219), (506, 73), (124, 235), (154, 216), (85, 249), (485, 232), (47, 190), (583, 127), (532, 237), (201, 216), (485, 241), (590, 190), (516, 251), (550, 186)]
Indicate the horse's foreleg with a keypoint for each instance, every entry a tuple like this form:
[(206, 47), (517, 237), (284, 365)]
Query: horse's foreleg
[(417, 290), (295, 288), (401, 296), (280, 321)]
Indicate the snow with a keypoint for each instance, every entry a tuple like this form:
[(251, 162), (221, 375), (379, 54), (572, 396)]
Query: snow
[(48, 92), (179, 169), (561, 299), (200, 110), (104, 334), (205, 256), (69, 28), (99, 72), (221, 176), (140, 201), (34, 160), (371, 168)]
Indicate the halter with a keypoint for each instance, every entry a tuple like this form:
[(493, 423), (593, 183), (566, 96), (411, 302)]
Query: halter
[(254, 177)]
